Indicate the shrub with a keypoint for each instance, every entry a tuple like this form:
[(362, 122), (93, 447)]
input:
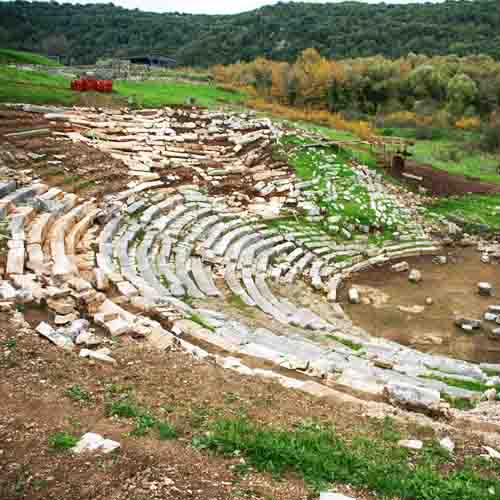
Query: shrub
[(401, 119), (468, 123), (490, 140), (428, 133), (335, 120)]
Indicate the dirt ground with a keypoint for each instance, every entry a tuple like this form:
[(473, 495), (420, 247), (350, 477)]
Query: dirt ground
[(453, 288), (441, 183), (188, 393), (75, 167)]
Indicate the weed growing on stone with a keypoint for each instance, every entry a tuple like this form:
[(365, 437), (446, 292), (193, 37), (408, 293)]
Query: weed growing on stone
[(196, 318), (348, 343), (463, 384)]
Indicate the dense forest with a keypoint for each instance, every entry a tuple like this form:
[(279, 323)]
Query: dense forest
[(411, 91), (461, 86), (84, 33)]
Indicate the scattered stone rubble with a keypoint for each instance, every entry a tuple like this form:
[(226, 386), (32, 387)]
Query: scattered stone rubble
[(159, 250)]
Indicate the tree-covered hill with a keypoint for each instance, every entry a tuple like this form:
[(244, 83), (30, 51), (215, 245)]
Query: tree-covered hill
[(281, 32)]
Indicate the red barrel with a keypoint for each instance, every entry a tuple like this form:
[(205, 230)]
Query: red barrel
[(78, 85), (91, 84), (107, 86)]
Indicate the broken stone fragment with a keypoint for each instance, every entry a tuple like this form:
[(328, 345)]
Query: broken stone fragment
[(88, 339), (485, 258), (99, 355), (415, 276), (447, 444), (400, 267), (102, 281), (328, 495), (440, 259), (57, 338), (492, 453), (61, 306), (79, 284), (7, 291), (485, 289), (490, 395), (411, 444), (79, 326), (488, 316), (95, 442), (412, 397), (127, 289), (468, 324), (118, 327), (354, 297), (65, 319)]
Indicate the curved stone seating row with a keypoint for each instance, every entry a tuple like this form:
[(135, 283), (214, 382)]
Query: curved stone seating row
[(19, 220), (14, 196), (354, 370), (394, 252), (63, 265), (161, 239), (248, 253)]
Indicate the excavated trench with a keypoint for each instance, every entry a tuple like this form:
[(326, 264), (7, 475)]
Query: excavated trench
[(394, 308)]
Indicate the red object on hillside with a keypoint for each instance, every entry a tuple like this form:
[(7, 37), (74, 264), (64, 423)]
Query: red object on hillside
[(84, 84)]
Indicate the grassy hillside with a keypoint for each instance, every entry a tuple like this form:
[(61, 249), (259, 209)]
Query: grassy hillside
[(34, 87), (8, 56), (37, 87), (281, 31), (161, 93)]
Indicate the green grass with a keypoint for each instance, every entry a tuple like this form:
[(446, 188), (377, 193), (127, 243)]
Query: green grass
[(463, 384), (8, 56), (38, 87), (10, 343), (350, 203), (76, 393), (196, 318), (162, 93), (144, 419), (166, 431), (321, 457), (450, 156), (459, 403), (124, 408), (473, 209), (62, 441), (348, 343), (35, 87)]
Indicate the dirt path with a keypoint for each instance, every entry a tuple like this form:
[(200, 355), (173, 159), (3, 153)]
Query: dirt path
[(441, 183)]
